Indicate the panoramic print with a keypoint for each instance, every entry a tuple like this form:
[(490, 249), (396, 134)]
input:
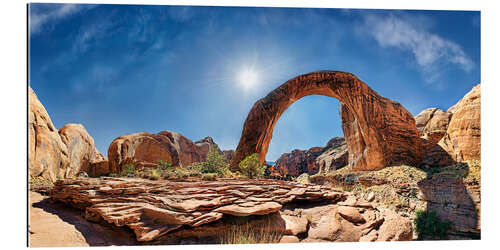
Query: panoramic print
[(176, 125)]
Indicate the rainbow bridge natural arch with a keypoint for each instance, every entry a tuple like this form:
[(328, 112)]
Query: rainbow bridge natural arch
[(379, 132)]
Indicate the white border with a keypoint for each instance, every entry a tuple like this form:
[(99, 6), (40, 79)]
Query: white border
[(13, 103)]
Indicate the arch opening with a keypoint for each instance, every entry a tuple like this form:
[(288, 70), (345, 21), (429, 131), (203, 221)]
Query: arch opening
[(378, 131), (300, 128)]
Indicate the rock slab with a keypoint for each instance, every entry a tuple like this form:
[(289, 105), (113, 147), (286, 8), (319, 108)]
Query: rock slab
[(166, 212)]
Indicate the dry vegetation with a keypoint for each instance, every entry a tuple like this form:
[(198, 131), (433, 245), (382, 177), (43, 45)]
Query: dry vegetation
[(245, 233)]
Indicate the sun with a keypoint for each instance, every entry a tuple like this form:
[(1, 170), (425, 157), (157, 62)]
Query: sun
[(248, 78)]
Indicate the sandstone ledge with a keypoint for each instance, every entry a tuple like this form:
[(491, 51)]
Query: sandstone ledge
[(157, 210)]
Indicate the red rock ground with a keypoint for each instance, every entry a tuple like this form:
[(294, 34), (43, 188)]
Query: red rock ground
[(56, 225)]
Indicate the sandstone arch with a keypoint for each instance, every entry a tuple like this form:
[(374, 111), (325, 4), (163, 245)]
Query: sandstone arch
[(379, 132)]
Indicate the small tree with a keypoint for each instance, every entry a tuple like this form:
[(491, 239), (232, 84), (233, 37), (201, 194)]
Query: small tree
[(251, 167), (215, 163)]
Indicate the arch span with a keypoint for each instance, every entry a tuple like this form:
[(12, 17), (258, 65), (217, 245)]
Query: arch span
[(379, 132)]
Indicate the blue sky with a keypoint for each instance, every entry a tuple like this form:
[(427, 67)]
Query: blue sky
[(121, 69)]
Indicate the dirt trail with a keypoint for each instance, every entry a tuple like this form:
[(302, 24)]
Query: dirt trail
[(55, 225)]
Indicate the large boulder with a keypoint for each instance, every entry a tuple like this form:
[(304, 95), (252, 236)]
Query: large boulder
[(379, 132), (83, 154), (47, 154), (144, 149)]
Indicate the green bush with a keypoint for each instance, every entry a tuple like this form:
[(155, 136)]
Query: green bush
[(251, 167), (429, 225), (215, 163), (194, 169), (164, 165), (113, 175), (128, 171)]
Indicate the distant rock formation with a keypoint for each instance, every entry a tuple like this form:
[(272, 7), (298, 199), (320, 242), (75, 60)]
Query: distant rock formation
[(144, 149), (83, 154), (334, 156), (228, 154), (47, 154), (317, 159), (379, 132)]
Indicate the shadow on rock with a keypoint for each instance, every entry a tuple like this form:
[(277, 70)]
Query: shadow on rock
[(450, 195), (95, 234)]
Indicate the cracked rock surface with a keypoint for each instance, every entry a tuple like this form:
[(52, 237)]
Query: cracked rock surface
[(167, 210)]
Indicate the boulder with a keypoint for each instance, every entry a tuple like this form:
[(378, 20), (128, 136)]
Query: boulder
[(47, 154), (295, 225), (379, 132), (394, 227), (145, 150), (289, 239), (83, 154)]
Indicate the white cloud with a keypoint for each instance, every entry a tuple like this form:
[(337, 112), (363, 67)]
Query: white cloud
[(430, 51), (38, 18)]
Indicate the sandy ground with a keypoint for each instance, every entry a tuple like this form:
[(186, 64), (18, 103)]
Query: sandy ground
[(55, 225)]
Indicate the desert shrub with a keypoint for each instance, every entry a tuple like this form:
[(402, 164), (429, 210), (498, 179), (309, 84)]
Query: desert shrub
[(267, 172), (209, 176), (257, 233), (428, 224), (251, 167), (194, 169), (215, 163), (155, 174), (164, 165), (128, 171)]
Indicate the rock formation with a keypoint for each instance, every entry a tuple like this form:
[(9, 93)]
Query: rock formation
[(204, 145), (228, 154), (316, 159), (47, 154), (432, 124), (166, 212), (379, 132), (462, 139), (463, 136), (83, 155), (334, 156), (144, 149)]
